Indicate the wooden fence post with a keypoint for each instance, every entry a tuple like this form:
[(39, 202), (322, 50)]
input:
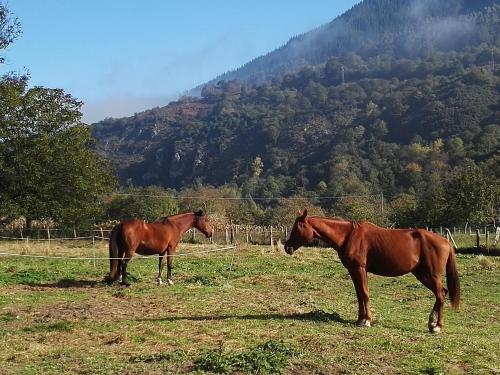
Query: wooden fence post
[(271, 235), (477, 238)]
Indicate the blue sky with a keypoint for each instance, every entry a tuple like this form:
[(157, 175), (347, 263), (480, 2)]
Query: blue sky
[(123, 56)]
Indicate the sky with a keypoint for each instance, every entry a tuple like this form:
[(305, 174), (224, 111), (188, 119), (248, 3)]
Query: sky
[(122, 56)]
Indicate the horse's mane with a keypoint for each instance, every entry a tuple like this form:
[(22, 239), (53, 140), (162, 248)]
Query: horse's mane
[(355, 223), (164, 219)]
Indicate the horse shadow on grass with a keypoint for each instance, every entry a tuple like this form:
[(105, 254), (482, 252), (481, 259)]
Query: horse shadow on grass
[(66, 283), (318, 316)]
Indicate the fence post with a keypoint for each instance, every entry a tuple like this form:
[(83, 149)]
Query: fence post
[(93, 247), (227, 236), (246, 233), (102, 234), (477, 238), (271, 235), (232, 234), (48, 240)]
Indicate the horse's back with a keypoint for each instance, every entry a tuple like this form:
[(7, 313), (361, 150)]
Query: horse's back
[(148, 238)]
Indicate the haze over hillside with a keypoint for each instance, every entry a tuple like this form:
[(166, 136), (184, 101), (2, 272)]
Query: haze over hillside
[(400, 28)]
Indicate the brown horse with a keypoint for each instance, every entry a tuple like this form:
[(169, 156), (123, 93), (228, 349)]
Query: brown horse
[(160, 237), (364, 247)]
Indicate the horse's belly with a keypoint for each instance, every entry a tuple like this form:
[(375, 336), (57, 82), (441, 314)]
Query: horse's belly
[(144, 249), (391, 263)]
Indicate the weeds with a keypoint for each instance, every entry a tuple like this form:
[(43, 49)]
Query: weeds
[(173, 356), (268, 358)]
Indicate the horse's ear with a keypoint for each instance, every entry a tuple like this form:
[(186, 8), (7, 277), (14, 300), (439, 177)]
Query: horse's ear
[(304, 213)]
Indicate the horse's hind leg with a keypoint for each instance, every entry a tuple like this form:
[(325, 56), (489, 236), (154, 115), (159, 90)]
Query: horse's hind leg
[(161, 265), (433, 282), (170, 262), (124, 262)]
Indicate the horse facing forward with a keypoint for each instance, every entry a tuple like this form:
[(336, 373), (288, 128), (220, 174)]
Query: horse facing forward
[(160, 237), (364, 247)]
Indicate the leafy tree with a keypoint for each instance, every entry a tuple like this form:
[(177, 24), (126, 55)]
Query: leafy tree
[(135, 203), (473, 197), (403, 210), (48, 166), (286, 211), (9, 29), (50, 169)]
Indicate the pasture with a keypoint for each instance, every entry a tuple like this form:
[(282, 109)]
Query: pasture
[(256, 310)]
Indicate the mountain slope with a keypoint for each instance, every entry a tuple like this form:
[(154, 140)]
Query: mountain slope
[(398, 28), (395, 125)]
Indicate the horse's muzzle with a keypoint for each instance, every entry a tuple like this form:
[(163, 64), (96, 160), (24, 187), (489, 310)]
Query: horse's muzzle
[(289, 249)]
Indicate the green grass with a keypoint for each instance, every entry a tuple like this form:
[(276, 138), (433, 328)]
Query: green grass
[(261, 312)]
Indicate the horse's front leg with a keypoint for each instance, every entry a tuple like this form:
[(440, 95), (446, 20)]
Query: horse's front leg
[(360, 281), (161, 265), (170, 263)]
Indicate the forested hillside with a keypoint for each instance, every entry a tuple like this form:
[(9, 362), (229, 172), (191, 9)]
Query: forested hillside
[(358, 124)]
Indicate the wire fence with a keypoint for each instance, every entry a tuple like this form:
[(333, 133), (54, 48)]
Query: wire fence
[(235, 234)]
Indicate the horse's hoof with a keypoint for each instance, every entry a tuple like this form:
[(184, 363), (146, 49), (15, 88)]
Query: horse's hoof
[(159, 281), (170, 282), (435, 329), (364, 323)]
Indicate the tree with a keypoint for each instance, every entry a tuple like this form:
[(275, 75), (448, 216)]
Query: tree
[(286, 211), (148, 204), (473, 197), (9, 29), (48, 166), (50, 169)]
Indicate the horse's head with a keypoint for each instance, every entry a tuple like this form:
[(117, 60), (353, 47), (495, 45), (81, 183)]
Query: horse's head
[(301, 234), (201, 223)]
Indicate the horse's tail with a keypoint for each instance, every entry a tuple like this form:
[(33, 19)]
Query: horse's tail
[(452, 280), (113, 252)]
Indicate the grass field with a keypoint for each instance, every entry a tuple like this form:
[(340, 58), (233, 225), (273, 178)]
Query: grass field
[(259, 312)]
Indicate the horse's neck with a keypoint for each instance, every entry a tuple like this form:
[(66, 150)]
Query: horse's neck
[(331, 231), (182, 222)]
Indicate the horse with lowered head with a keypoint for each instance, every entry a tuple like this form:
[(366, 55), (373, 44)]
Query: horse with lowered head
[(364, 247), (160, 237)]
